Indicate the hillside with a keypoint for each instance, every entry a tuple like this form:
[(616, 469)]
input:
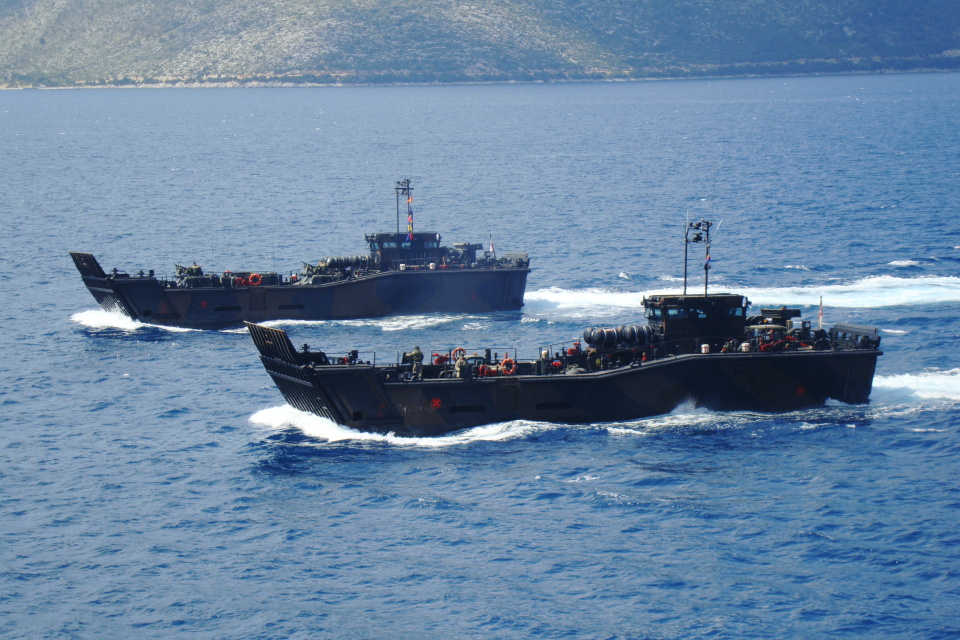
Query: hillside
[(97, 42)]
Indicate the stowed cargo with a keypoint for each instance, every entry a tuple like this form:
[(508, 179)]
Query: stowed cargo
[(855, 335), (628, 335)]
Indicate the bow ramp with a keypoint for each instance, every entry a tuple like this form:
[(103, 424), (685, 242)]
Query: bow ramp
[(344, 391)]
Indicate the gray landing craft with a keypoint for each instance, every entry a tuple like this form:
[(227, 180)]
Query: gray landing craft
[(404, 273), (695, 348)]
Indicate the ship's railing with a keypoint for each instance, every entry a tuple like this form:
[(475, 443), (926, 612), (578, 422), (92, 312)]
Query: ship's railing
[(217, 279), (226, 280), (231, 279), (441, 363), (323, 275), (565, 357), (448, 356), (421, 265), (842, 337), (490, 356)]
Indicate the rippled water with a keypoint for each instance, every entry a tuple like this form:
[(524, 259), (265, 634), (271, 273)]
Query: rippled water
[(152, 481)]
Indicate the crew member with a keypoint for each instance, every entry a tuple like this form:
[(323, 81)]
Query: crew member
[(416, 357), (194, 270), (463, 367)]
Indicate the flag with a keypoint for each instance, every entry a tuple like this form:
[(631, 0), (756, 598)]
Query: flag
[(409, 219), (706, 264), (820, 316)]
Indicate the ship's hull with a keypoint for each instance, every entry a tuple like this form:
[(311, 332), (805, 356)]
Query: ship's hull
[(144, 298), (358, 397)]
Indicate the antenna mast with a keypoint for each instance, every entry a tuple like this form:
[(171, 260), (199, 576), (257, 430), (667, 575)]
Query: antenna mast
[(697, 232), (403, 188)]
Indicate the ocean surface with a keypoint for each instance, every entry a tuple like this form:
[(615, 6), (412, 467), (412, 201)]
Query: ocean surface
[(153, 483)]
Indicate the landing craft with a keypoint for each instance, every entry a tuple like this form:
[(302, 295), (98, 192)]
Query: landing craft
[(700, 348), (403, 273)]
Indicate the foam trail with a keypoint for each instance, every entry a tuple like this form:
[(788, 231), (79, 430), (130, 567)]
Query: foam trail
[(929, 385), (684, 416), (904, 263), (868, 293), (316, 427), (403, 323), (392, 323), (583, 303), (100, 319)]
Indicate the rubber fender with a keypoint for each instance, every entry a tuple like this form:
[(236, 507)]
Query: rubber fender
[(611, 337), (587, 334)]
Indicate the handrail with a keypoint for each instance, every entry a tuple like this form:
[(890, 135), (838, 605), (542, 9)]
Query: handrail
[(654, 351)]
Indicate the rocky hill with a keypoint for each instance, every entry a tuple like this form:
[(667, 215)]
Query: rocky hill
[(104, 42)]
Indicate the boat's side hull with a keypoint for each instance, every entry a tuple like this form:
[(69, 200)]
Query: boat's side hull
[(355, 396), (723, 382), (384, 294)]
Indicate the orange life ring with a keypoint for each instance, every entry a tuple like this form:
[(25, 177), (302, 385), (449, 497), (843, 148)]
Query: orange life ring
[(255, 280), (508, 367), (459, 351)]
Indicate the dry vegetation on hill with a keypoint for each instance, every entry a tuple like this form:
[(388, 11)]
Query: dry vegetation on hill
[(97, 42)]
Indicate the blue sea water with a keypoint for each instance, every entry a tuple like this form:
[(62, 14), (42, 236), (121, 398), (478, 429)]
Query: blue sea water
[(153, 484)]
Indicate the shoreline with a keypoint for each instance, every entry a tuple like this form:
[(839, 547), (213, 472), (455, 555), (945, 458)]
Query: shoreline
[(288, 84)]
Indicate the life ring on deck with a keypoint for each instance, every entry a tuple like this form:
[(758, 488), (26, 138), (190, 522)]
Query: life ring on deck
[(459, 351), (508, 367), (255, 280)]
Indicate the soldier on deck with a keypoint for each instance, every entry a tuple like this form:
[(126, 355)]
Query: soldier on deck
[(462, 367), (416, 357)]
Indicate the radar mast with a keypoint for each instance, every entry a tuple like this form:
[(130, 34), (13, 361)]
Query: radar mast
[(403, 188), (697, 232)]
